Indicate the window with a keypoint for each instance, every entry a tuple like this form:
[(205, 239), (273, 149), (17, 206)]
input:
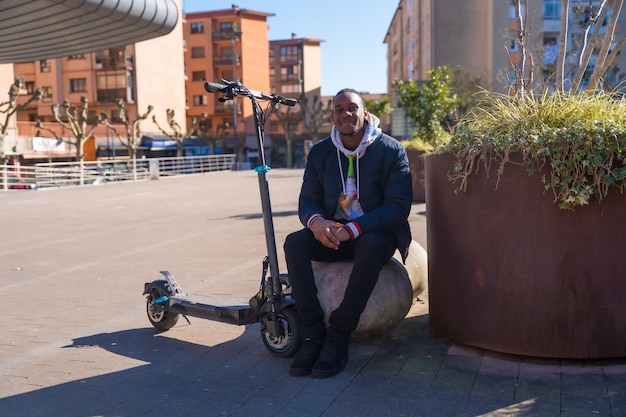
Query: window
[(290, 89), (78, 85), (289, 50), (200, 100), (46, 93), (227, 26), (288, 70), (115, 116), (44, 66), (198, 76), (552, 9), (197, 52), (197, 27), (30, 87)]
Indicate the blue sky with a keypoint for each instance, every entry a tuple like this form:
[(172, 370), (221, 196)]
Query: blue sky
[(353, 52)]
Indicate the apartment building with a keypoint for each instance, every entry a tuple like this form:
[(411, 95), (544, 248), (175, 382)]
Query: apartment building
[(230, 44), (476, 35), (294, 72), (147, 73)]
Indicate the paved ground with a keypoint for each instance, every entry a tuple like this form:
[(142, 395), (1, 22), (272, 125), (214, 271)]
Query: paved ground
[(75, 340)]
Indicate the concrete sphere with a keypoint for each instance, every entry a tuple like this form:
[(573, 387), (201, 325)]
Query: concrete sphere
[(416, 265), (393, 295)]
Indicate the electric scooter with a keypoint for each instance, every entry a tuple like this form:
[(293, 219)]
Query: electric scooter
[(272, 306)]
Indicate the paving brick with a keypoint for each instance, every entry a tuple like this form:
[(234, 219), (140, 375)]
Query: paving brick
[(76, 339)]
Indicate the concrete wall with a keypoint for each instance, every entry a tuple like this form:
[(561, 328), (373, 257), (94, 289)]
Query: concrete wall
[(161, 76)]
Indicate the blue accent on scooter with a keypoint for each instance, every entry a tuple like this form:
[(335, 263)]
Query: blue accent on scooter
[(262, 169), (162, 300)]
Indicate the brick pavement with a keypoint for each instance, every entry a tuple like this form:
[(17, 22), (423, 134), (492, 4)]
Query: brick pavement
[(75, 339)]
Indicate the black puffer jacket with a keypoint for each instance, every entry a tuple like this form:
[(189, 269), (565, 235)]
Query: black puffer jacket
[(385, 187)]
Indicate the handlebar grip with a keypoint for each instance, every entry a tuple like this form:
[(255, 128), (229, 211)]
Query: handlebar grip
[(288, 101), (215, 87)]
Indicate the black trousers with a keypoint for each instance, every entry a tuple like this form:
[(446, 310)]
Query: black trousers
[(369, 252)]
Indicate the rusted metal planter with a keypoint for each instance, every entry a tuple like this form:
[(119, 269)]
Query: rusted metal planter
[(416, 165), (511, 272)]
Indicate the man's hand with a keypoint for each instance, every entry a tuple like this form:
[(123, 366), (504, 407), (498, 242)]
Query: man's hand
[(328, 232)]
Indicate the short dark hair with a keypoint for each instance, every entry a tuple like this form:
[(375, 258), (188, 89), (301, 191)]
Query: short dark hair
[(349, 90)]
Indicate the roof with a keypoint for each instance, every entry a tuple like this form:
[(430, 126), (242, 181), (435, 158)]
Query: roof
[(31, 30)]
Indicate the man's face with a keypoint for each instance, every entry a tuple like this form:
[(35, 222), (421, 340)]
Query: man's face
[(349, 113)]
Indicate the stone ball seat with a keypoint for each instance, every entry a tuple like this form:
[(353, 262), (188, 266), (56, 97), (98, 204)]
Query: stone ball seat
[(398, 285)]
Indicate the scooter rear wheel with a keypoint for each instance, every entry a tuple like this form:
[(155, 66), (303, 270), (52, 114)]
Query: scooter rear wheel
[(288, 344), (159, 318)]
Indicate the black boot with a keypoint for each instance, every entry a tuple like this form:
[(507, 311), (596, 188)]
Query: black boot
[(306, 357), (333, 356)]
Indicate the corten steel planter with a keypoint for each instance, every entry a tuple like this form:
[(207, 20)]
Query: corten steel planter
[(416, 164), (511, 272)]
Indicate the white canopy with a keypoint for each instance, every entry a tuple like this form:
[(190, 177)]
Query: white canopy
[(40, 29)]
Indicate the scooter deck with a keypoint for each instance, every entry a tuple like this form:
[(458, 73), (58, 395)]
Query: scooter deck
[(212, 308)]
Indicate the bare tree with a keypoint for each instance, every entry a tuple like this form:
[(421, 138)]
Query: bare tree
[(176, 132), (133, 134), (75, 120), (314, 114), (594, 40), (10, 107), (289, 120), (523, 69), (211, 139)]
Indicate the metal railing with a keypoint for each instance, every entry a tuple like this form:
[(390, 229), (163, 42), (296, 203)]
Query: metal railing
[(65, 174)]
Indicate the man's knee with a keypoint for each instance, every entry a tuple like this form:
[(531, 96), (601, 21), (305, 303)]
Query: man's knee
[(374, 245), (295, 242)]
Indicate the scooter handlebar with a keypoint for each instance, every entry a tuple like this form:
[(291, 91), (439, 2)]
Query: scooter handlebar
[(235, 88)]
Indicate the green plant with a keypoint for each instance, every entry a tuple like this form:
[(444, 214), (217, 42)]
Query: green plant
[(582, 138), (418, 144), (579, 131), (427, 103)]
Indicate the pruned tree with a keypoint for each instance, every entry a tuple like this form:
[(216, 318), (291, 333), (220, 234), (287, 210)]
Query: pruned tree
[(132, 138), (176, 132), (10, 107), (289, 121), (314, 115), (212, 139), (75, 120)]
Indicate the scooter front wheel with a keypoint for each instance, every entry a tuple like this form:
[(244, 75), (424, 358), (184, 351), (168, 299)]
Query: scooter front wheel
[(288, 343), (158, 316)]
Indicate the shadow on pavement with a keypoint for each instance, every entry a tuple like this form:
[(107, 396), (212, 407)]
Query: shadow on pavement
[(166, 376)]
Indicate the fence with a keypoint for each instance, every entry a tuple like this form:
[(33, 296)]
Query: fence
[(64, 174)]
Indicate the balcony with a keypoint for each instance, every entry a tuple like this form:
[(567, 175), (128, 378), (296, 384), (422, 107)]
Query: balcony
[(226, 107), (222, 35), (108, 62), (113, 94), (226, 59)]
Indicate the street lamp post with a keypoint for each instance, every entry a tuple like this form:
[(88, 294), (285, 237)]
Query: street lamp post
[(236, 35)]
